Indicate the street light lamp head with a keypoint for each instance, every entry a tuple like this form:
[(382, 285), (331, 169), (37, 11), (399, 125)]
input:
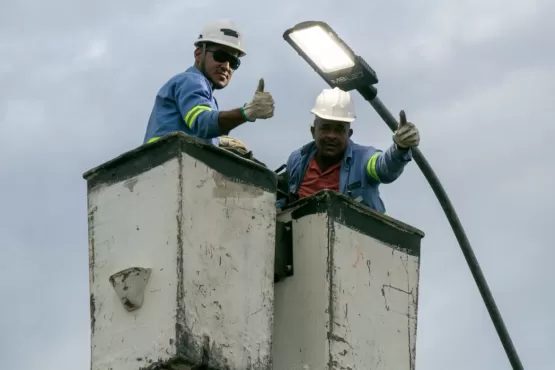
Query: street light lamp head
[(323, 49), (329, 56)]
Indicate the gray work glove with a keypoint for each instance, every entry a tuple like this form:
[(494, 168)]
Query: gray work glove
[(231, 142), (261, 106), (406, 135)]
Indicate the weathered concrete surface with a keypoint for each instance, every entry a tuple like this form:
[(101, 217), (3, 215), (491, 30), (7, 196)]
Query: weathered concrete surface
[(208, 239), (301, 301), (134, 228), (225, 311), (373, 303), (352, 301)]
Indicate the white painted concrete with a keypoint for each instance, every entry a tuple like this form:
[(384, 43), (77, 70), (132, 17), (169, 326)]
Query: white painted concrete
[(301, 301), (372, 300), (228, 264), (133, 223), (375, 311), (214, 294)]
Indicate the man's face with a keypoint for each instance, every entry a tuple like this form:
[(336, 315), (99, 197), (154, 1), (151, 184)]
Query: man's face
[(331, 137), (219, 63)]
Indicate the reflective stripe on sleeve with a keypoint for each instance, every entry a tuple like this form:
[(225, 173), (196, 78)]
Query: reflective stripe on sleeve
[(193, 113), (371, 166), (153, 139)]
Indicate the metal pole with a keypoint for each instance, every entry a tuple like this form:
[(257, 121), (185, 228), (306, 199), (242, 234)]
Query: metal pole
[(370, 94)]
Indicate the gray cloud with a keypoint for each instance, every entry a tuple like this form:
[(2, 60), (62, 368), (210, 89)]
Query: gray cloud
[(78, 81)]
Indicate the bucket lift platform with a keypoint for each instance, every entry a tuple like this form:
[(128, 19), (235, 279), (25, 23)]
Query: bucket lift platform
[(191, 268)]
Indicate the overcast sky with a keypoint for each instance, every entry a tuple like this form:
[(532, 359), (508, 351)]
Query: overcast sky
[(77, 82)]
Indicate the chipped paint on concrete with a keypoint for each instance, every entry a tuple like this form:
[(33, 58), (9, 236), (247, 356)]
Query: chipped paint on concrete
[(209, 298), (92, 309), (375, 303), (135, 229), (351, 304), (228, 266)]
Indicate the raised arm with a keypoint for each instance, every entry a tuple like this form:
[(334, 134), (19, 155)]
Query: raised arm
[(195, 106), (386, 167)]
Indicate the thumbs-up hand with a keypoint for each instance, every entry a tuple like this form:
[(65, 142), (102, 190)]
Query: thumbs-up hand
[(402, 119), (260, 87), (261, 106), (406, 135)]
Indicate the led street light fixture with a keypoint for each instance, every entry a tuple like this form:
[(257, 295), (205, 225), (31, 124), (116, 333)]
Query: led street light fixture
[(329, 56)]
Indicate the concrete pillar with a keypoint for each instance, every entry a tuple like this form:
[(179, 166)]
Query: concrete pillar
[(351, 302), (181, 241)]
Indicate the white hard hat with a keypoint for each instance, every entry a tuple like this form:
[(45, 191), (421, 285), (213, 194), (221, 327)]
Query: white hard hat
[(223, 32), (334, 104)]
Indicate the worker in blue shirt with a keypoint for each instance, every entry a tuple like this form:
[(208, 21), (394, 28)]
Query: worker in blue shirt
[(333, 161), (186, 102)]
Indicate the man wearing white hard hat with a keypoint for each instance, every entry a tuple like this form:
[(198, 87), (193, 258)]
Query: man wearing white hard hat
[(186, 102), (333, 161)]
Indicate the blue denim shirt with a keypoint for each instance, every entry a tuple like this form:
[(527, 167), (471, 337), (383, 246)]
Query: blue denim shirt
[(185, 103)]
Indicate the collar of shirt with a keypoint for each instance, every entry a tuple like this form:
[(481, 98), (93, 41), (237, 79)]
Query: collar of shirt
[(194, 69)]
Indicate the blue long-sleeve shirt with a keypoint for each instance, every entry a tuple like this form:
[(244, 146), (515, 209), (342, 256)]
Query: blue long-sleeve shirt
[(185, 103), (363, 169)]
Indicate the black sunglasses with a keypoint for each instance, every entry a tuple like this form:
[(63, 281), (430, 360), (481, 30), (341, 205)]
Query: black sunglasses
[(221, 56)]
